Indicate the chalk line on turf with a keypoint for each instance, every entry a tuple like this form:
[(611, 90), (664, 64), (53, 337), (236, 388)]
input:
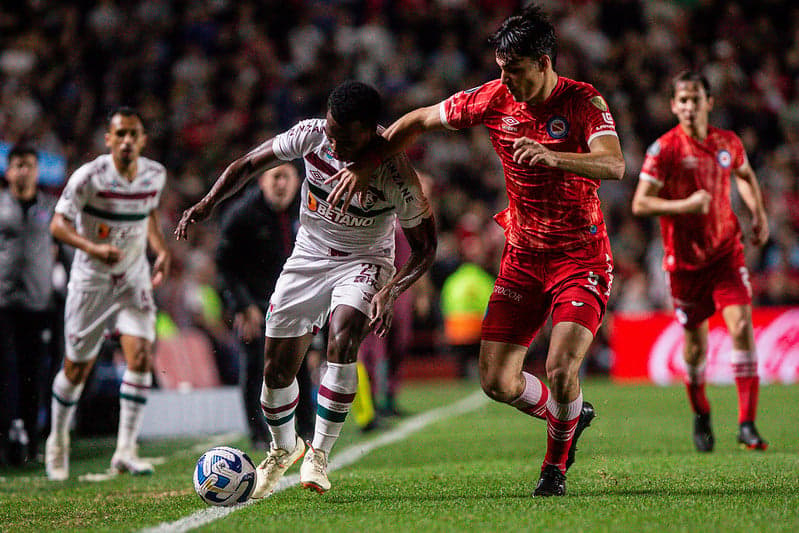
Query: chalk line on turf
[(344, 458)]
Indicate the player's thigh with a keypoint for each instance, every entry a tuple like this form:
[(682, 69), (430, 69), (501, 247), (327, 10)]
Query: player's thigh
[(695, 347), (738, 319), (86, 315), (500, 364)]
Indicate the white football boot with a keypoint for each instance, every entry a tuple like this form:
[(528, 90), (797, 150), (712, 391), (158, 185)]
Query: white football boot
[(128, 460), (271, 469), (56, 458), (313, 472)]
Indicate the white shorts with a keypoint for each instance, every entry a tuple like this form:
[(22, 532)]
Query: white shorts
[(310, 288), (90, 311)]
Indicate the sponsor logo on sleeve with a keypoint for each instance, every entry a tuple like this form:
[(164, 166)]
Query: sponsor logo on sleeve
[(599, 103), (557, 127), (724, 158)]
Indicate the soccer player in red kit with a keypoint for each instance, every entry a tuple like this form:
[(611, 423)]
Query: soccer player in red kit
[(686, 180), (557, 140)]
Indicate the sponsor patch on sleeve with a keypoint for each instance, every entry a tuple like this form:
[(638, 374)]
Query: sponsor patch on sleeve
[(599, 103)]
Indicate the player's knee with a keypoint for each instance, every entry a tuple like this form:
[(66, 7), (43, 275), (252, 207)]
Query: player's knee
[(76, 373), (739, 329), (497, 387), (560, 380), (694, 351), (342, 346), (276, 376)]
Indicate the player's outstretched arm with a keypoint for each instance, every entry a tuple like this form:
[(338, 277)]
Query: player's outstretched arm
[(163, 258), (604, 161), (749, 189), (64, 230), (422, 240), (401, 134), (231, 180)]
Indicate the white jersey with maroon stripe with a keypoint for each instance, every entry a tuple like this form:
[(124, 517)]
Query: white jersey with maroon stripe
[(107, 208), (367, 226)]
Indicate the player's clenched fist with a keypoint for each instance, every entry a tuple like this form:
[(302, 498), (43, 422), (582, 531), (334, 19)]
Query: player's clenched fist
[(526, 150)]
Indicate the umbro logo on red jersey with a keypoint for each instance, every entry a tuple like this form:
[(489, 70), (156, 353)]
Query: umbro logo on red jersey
[(510, 124)]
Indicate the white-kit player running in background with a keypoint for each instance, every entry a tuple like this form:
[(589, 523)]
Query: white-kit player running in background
[(341, 267), (108, 213)]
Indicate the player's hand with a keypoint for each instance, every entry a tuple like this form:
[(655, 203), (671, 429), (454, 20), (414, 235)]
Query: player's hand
[(530, 152), (161, 268), (760, 229), (699, 202), (381, 312), (107, 253), (196, 213), (351, 180), (248, 323)]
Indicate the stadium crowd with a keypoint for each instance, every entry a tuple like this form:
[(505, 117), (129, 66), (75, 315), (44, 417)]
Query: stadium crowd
[(213, 78)]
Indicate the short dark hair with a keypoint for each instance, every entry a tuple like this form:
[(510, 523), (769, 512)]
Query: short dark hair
[(526, 34), (690, 76), (21, 150), (125, 111), (355, 101)]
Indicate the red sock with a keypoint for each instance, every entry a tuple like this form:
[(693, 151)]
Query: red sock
[(696, 395), (748, 389), (561, 422), (534, 397)]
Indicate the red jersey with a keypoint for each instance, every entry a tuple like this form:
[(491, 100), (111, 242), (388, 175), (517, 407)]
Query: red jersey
[(683, 165), (548, 208)]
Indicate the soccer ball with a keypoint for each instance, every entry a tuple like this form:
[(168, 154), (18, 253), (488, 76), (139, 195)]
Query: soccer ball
[(224, 476)]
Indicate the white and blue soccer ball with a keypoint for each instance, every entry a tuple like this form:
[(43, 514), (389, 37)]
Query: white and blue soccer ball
[(224, 476)]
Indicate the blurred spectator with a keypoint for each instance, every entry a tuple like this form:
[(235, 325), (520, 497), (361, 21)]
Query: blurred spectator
[(27, 255), (464, 298)]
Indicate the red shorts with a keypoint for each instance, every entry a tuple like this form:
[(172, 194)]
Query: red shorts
[(574, 285), (697, 294)]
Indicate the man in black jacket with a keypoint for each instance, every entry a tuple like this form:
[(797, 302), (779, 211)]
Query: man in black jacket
[(26, 267), (258, 232)]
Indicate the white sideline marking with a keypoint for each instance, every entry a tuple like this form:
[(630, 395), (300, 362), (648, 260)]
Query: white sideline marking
[(345, 458)]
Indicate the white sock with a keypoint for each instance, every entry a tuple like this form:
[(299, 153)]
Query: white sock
[(132, 399), (336, 393), (278, 406), (62, 405)]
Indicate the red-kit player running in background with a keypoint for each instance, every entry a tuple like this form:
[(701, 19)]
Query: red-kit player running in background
[(557, 140), (686, 180)]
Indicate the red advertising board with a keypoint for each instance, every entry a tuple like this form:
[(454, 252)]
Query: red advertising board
[(648, 347)]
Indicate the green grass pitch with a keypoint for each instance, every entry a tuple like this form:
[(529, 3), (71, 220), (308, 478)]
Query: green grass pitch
[(636, 470)]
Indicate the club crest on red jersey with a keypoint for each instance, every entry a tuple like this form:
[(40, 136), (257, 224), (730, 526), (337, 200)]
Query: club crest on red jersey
[(557, 127), (724, 158)]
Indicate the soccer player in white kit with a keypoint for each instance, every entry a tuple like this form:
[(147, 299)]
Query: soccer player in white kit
[(341, 267), (107, 211)]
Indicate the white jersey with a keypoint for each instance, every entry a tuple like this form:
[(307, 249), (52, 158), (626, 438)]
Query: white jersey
[(107, 208), (366, 228)]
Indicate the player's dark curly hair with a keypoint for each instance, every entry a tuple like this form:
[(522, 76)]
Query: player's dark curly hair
[(355, 101), (690, 76), (527, 34)]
